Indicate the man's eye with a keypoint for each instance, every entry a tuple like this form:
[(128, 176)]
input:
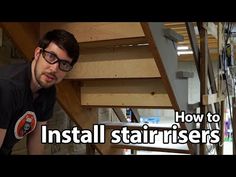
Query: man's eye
[(51, 56), (65, 63)]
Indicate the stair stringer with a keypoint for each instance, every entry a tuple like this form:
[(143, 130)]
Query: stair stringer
[(165, 55)]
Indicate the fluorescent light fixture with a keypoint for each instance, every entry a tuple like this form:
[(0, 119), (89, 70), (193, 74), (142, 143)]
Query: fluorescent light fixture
[(184, 52), (182, 48)]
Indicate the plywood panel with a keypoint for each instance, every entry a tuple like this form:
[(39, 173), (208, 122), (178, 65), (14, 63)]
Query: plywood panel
[(125, 93), (96, 31), (118, 62)]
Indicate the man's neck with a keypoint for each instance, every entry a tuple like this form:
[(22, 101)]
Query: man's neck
[(34, 85)]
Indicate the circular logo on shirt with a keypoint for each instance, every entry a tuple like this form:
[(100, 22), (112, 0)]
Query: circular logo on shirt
[(25, 124)]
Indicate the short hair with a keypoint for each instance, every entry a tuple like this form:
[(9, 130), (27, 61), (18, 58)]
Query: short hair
[(64, 40)]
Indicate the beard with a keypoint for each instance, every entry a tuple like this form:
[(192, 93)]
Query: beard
[(44, 79)]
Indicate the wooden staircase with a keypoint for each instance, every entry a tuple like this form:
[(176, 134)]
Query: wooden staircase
[(121, 65), (159, 145)]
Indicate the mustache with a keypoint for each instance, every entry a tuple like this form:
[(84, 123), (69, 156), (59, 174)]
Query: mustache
[(51, 74)]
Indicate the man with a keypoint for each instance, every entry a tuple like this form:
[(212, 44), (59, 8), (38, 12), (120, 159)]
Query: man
[(27, 91)]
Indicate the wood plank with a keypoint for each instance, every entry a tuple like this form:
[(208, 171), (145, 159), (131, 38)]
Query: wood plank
[(184, 33), (125, 93), (157, 146), (189, 57), (113, 43), (173, 24), (119, 62), (97, 31), (212, 98), (177, 148)]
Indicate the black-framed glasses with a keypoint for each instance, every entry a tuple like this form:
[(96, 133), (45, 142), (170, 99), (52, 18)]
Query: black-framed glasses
[(51, 58)]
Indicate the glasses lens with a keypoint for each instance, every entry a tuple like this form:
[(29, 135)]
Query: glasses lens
[(52, 59), (49, 57), (64, 65)]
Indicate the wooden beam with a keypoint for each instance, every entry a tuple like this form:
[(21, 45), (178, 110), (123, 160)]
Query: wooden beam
[(212, 29), (125, 93), (212, 98), (136, 114), (119, 62), (90, 149), (212, 82), (234, 124), (69, 98), (153, 33), (97, 31), (220, 38), (119, 113), (195, 48), (220, 150), (203, 77), (24, 35), (194, 44), (160, 64)]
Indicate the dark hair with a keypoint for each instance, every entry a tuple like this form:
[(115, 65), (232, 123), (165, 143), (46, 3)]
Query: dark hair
[(64, 40)]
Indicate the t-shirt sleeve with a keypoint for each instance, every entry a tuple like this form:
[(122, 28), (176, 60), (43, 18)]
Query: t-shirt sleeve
[(45, 106), (6, 103)]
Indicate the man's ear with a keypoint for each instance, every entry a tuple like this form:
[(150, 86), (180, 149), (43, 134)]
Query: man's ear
[(37, 52)]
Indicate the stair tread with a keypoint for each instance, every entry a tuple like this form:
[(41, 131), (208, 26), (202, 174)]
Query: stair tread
[(178, 148), (141, 152), (159, 145)]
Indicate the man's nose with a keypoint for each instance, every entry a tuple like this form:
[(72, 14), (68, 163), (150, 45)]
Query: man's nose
[(54, 67)]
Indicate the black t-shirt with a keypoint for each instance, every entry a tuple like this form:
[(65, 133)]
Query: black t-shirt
[(19, 112)]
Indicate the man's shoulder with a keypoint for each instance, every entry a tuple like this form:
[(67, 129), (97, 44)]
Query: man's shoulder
[(12, 70), (14, 74), (14, 77), (8, 86)]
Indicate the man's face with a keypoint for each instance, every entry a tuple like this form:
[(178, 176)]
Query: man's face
[(48, 74)]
